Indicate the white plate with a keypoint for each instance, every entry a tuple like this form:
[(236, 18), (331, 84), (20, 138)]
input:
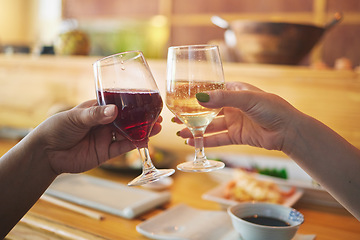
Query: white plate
[(108, 196), (182, 222), (297, 177), (217, 195)]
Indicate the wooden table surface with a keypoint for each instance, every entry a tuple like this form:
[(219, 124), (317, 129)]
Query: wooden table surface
[(323, 221)]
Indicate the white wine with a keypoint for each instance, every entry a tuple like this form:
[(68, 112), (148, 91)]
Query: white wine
[(190, 70), (181, 100)]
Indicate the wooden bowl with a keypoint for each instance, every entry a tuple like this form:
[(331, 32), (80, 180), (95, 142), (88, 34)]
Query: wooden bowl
[(274, 42)]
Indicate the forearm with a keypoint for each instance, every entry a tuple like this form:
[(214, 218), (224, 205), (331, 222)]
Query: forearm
[(329, 159), (24, 176)]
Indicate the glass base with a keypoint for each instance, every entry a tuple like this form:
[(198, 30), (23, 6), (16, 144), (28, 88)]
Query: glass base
[(209, 165), (151, 176)]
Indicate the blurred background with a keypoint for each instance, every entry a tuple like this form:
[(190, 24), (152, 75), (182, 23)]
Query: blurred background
[(118, 25)]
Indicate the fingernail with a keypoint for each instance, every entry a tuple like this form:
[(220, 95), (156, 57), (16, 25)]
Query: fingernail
[(109, 110), (173, 119), (202, 97), (178, 133)]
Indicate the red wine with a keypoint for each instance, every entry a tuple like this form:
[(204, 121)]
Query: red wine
[(267, 221), (137, 110)]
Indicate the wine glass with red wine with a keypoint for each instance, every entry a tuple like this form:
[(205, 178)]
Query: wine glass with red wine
[(125, 80)]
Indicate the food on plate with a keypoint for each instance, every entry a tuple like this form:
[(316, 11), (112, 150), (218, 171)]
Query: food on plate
[(274, 172), (246, 187), (269, 171)]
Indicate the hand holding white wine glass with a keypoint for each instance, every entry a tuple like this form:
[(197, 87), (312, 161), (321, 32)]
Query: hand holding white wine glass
[(125, 80), (190, 70)]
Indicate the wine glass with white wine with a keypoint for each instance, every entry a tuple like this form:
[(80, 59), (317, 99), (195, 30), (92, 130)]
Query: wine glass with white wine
[(190, 70)]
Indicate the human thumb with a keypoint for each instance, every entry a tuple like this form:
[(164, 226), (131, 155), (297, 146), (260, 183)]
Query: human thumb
[(95, 115)]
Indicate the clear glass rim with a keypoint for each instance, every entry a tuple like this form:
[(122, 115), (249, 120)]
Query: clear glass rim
[(101, 60), (195, 47)]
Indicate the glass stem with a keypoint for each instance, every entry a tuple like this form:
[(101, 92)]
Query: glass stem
[(148, 166), (200, 158)]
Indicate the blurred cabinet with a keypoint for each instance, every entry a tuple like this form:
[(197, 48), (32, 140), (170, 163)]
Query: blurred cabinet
[(119, 25), (189, 21)]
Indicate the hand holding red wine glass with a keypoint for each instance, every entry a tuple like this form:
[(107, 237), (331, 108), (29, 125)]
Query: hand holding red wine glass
[(125, 80)]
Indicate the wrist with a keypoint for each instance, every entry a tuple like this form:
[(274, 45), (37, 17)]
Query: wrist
[(24, 176), (35, 147), (294, 137)]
